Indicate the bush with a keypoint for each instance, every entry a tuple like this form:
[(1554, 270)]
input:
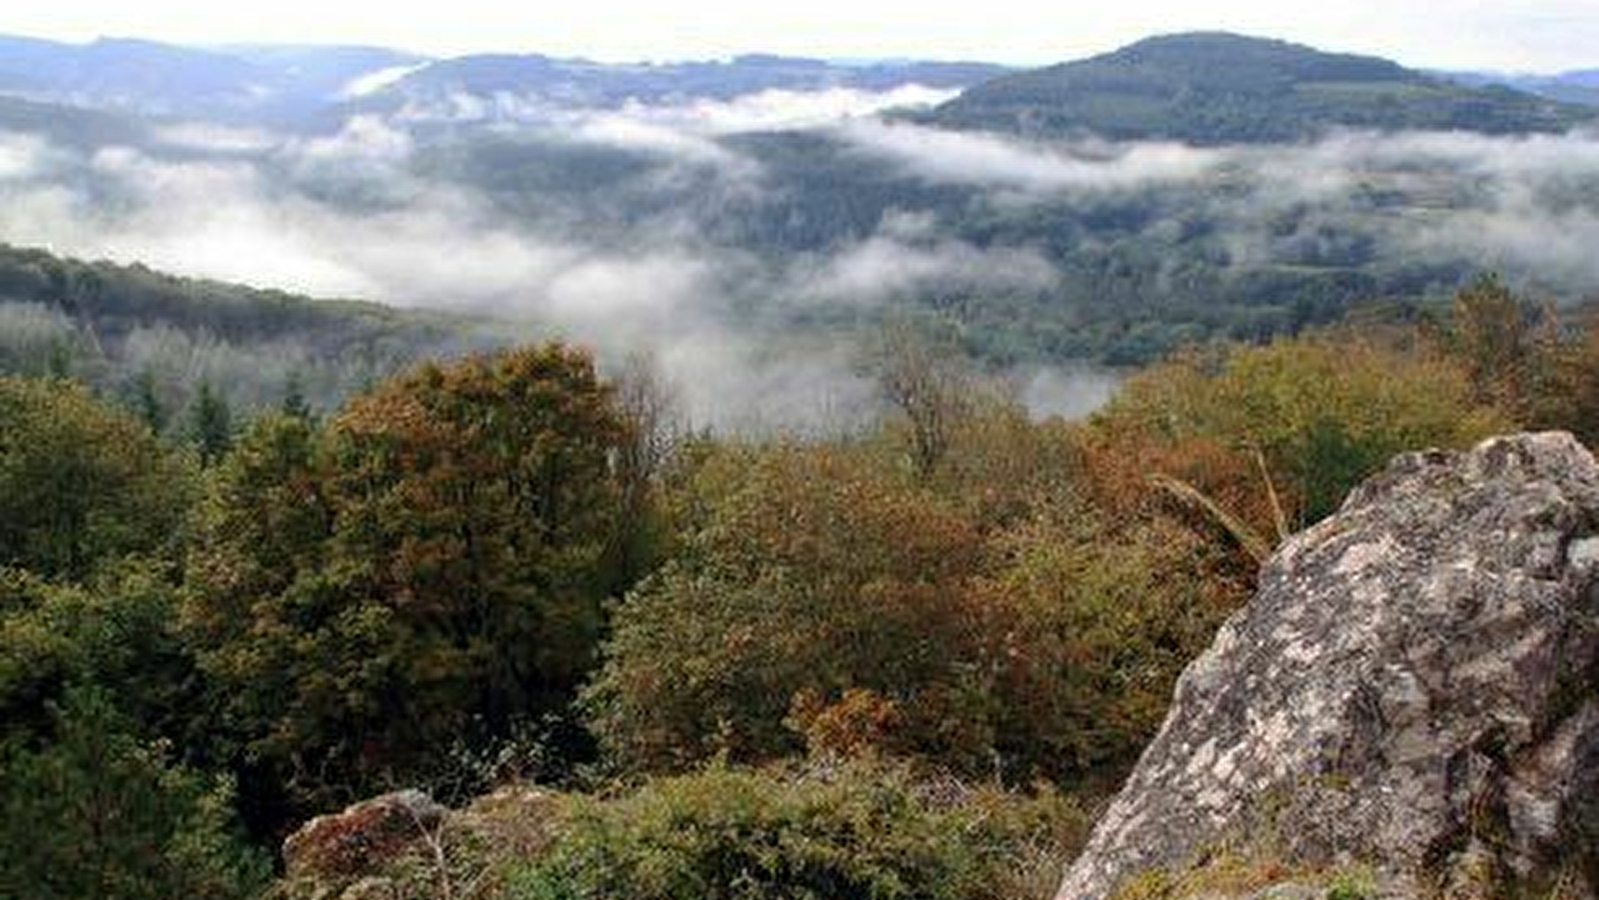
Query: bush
[(823, 602), (96, 812), (803, 570), (116, 633), (851, 833), (1323, 413), (80, 483), (1091, 627)]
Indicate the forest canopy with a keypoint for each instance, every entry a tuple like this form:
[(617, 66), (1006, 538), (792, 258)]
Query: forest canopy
[(509, 566)]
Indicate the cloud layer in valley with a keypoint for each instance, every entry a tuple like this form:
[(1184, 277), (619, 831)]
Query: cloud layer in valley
[(354, 213), (1003, 162)]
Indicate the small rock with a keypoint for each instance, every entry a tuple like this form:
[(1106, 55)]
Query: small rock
[(342, 847)]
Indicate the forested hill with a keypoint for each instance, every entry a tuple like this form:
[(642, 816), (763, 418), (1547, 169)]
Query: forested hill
[(130, 329), (568, 83), (70, 126), (1213, 88)]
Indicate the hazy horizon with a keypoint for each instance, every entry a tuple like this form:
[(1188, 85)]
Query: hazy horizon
[(1478, 35)]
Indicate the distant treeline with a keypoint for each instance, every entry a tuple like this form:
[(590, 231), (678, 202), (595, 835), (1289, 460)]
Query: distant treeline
[(154, 340)]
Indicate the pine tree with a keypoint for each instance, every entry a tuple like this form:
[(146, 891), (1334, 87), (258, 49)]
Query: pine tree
[(210, 423)]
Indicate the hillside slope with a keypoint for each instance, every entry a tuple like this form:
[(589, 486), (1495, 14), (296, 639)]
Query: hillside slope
[(126, 329), (1215, 88)]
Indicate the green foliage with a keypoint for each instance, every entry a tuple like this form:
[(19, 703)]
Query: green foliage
[(117, 632), (802, 569), (1324, 411), (210, 424), (80, 483), (425, 571), (410, 592), (1092, 623), (1213, 88), (1570, 396), (95, 812), (147, 403), (1352, 886), (829, 600), (1495, 336), (852, 833), (1519, 356)]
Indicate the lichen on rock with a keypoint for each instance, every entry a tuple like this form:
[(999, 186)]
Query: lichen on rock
[(1415, 685)]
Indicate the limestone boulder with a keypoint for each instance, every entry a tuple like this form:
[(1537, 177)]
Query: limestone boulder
[(1415, 686)]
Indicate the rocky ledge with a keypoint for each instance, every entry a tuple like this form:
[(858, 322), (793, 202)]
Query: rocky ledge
[(1414, 688)]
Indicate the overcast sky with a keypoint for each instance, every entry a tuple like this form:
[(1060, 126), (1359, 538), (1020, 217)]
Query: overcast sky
[(1526, 35)]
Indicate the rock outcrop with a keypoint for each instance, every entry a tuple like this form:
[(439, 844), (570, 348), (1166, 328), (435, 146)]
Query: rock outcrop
[(404, 844), (345, 845), (1415, 686)]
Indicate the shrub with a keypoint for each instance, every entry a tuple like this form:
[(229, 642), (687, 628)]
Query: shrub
[(1090, 627), (97, 812), (81, 483), (803, 570), (1323, 411), (849, 833)]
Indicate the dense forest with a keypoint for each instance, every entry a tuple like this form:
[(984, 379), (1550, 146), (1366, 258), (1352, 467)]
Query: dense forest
[(904, 661), (1210, 89), (533, 190), (167, 346), (670, 498)]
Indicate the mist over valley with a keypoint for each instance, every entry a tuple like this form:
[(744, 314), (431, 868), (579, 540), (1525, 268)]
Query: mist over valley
[(746, 220)]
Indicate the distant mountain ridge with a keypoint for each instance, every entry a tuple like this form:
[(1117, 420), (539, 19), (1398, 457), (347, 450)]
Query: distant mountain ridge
[(586, 83), (1200, 87), (1580, 86), (285, 84), (152, 78), (1211, 88)]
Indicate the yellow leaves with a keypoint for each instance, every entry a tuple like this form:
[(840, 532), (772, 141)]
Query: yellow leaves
[(1322, 411), (861, 722)]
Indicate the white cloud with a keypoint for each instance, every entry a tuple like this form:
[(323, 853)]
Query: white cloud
[(785, 109), (215, 138), (992, 160), (364, 138), (1528, 204), (631, 133), (1070, 393), (886, 264), (758, 111), (23, 156), (372, 82)]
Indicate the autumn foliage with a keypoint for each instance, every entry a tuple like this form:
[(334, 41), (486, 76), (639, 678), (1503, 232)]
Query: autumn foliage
[(417, 579), (508, 565)]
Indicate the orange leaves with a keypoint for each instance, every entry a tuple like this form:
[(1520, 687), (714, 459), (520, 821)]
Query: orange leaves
[(1321, 412), (445, 582), (859, 723), (806, 568)]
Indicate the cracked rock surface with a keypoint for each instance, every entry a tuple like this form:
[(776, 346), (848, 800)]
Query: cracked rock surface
[(1415, 685)]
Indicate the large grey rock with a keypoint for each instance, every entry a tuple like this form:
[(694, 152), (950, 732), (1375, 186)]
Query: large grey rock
[(1415, 685)]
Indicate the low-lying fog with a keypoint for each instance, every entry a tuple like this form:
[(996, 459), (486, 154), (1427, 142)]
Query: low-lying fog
[(378, 210)]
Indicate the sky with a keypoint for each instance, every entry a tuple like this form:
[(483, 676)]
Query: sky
[(1498, 35)]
